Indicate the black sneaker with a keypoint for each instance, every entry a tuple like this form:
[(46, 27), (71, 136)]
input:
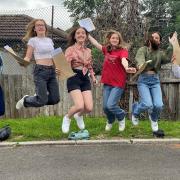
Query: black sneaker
[(159, 133)]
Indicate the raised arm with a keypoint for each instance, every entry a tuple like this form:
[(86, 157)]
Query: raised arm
[(173, 43), (94, 42)]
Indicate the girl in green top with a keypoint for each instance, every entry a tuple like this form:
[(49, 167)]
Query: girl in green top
[(148, 83)]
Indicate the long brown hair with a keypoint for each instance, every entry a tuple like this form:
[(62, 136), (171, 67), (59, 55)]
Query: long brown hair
[(30, 29), (147, 41), (122, 43), (71, 36)]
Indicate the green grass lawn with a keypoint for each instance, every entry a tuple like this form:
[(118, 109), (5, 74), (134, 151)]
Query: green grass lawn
[(49, 128)]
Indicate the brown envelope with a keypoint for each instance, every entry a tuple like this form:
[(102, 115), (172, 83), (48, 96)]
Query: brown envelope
[(140, 70), (62, 65)]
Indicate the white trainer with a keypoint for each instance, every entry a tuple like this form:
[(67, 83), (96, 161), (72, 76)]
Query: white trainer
[(122, 125), (135, 121), (80, 121), (65, 124), (20, 103), (154, 124), (108, 127)]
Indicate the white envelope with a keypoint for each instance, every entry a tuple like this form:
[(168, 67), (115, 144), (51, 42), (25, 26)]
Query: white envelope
[(87, 24), (16, 57)]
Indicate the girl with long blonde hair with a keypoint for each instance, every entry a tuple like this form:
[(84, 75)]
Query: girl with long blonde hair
[(46, 85)]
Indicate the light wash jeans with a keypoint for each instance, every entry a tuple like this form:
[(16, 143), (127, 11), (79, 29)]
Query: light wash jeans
[(111, 97), (149, 89), (47, 89)]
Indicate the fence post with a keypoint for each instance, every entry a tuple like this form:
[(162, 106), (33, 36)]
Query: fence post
[(52, 21), (130, 101)]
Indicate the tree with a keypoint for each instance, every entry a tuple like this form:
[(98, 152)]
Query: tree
[(161, 15), (121, 15), (175, 15), (83, 8), (157, 14)]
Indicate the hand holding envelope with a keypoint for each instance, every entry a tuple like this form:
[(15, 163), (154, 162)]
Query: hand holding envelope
[(20, 60), (141, 69), (63, 68), (87, 24)]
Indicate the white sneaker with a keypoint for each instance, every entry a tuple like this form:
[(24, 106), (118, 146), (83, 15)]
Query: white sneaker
[(122, 125), (65, 124), (20, 103), (108, 127), (154, 124), (79, 120), (135, 121)]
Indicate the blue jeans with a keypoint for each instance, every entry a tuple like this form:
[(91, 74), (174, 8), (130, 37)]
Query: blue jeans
[(47, 89), (111, 97), (150, 96)]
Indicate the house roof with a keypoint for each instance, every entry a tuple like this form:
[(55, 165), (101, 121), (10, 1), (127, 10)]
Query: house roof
[(13, 27)]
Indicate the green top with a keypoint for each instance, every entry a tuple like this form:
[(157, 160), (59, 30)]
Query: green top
[(158, 57)]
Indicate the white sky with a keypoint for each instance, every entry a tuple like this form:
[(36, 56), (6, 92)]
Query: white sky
[(27, 4), (38, 9)]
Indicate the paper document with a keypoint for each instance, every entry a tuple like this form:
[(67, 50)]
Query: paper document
[(18, 59), (140, 70), (87, 24), (61, 64)]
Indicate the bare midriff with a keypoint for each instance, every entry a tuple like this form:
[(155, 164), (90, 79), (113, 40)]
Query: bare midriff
[(45, 62)]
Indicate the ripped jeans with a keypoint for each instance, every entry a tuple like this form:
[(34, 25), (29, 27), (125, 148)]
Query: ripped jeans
[(149, 89)]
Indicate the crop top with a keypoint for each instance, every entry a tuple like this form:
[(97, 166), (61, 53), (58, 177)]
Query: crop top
[(43, 47)]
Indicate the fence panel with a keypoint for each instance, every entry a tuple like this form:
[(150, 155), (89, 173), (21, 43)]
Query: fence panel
[(16, 86)]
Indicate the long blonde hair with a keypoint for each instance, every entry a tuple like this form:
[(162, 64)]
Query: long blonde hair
[(30, 29), (122, 43)]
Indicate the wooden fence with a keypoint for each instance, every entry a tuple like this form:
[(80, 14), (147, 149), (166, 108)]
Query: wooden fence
[(16, 86)]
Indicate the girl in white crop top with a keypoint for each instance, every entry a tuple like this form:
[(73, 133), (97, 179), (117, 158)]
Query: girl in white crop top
[(43, 47), (46, 85), (38, 44)]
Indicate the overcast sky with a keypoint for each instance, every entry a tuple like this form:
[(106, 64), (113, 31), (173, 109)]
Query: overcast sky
[(61, 20), (27, 4)]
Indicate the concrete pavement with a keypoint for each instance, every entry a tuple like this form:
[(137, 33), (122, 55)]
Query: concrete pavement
[(91, 160)]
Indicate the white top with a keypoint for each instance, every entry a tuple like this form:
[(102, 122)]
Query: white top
[(43, 47)]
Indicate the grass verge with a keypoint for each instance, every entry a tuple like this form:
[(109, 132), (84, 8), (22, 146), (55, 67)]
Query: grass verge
[(49, 128)]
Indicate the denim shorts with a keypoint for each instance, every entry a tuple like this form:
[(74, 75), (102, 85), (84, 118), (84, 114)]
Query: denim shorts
[(79, 81)]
